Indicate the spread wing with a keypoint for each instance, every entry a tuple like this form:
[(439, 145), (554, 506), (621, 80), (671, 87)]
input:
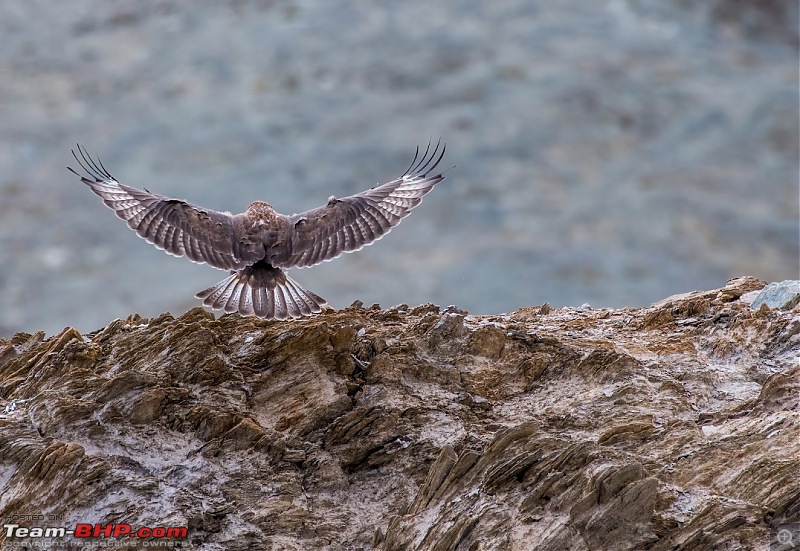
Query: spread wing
[(175, 226), (348, 224)]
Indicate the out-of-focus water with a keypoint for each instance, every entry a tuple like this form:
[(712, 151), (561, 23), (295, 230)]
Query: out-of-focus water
[(609, 153)]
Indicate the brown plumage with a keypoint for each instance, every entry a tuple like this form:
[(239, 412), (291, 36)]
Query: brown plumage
[(256, 244)]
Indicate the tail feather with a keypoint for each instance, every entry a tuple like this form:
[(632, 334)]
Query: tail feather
[(261, 305), (263, 291), (246, 302), (232, 304), (217, 296), (296, 295)]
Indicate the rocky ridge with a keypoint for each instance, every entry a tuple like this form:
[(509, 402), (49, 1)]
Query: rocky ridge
[(671, 427)]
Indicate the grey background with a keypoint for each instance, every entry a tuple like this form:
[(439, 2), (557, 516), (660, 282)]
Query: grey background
[(608, 152)]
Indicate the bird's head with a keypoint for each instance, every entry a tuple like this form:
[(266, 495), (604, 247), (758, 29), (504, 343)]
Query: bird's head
[(260, 214), (260, 208)]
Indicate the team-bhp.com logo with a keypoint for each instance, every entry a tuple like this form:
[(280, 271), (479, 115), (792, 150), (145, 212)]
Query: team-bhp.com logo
[(96, 531)]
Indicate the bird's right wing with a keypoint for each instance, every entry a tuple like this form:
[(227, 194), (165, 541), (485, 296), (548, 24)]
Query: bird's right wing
[(348, 224), (174, 226)]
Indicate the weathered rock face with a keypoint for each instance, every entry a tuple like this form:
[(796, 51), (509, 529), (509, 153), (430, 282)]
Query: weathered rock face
[(670, 427)]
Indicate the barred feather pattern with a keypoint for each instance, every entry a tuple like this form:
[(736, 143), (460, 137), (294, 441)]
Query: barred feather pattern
[(262, 291), (174, 226), (349, 224)]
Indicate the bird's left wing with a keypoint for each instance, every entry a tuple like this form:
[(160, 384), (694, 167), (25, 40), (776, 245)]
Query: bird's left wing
[(175, 226), (348, 224)]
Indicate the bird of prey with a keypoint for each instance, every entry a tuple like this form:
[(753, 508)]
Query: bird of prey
[(258, 244)]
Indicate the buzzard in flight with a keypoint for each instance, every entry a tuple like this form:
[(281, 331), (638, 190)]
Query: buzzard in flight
[(259, 243)]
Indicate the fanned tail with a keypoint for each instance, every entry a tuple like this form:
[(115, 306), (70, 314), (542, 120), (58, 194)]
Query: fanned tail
[(264, 291)]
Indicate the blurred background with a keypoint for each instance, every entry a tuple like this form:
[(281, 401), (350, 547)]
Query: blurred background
[(610, 153)]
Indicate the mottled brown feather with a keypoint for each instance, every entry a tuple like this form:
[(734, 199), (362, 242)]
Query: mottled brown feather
[(348, 224), (175, 226)]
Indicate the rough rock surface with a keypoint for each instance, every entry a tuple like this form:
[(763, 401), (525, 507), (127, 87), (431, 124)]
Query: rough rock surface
[(674, 426), (780, 294)]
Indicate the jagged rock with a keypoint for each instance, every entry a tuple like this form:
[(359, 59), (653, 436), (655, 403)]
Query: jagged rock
[(669, 427), (781, 294)]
